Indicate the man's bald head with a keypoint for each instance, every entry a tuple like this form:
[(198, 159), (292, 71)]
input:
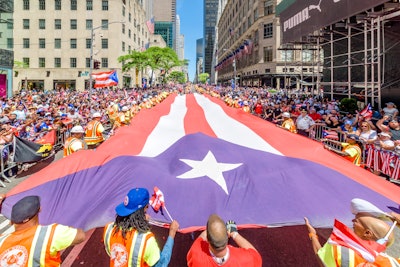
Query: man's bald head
[(374, 229), (217, 234)]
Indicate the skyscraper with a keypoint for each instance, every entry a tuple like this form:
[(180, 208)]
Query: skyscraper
[(210, 20), (165, 18)]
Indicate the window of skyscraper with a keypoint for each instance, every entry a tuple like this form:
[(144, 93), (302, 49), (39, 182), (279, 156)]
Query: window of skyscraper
[(42, 62), (104, 5), (268, 30), (72, 62), (42, 4), (57, 62), (89, 24), (104, 62), (89, 5), (57, 4), (104, 44), (42, 43), (57, 43), (73, 44), (26, 5), (268, 7), (10, 43), (26, 61), (88, 43), (73, 24), (104, 24), (26, 43), (57, 24)]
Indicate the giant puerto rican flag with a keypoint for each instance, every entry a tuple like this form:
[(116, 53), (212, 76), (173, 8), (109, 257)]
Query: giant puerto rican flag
[(206, 158)]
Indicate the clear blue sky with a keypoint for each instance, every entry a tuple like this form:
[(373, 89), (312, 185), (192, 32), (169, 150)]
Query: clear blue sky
[(191, 15)]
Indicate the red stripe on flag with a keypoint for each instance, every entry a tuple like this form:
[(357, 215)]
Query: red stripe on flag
[(195, 119)]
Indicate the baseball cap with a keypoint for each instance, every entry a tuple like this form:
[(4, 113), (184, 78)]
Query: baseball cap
[(124, 108), (384, 134), (286, 115), (25, 209), (353, 136), (136, 198), (390, 103)]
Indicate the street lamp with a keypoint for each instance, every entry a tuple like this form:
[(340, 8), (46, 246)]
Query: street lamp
[(234, 67), (91, 54)]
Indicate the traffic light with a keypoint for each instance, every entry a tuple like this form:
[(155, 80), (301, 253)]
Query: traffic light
[(96, 65)]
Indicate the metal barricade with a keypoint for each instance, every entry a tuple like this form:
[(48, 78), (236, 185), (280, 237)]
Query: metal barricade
[(6, 164)]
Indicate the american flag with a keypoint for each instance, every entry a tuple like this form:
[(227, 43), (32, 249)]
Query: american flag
[(367, 111), (150, 25)]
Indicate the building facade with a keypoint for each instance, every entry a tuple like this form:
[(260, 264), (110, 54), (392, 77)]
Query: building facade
[(165, 20), (6, 47), (199, 57), (209, 23), (249, 49), (53, 40)]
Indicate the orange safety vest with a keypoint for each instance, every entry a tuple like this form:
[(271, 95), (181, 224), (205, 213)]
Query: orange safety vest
[(29, 247), (68, 145), (246, 109), (289, 125), (128, 254), (93, 135), (112, 112), (345, 257)]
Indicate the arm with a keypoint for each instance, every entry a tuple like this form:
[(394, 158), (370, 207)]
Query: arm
[(239, 240), (312, 233), (165, 255), (79, 238)]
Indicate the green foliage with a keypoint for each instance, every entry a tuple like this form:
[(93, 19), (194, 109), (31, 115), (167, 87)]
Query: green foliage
[(177, 77), (203, 77), (348, 105), (20, 65), (155, 57)]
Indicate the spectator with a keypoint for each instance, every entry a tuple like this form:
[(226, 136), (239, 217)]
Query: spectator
[(390, 110), (385, 141), (211, 247), (366, 133), (129, 238), (94, 132), (348, 128), (304, 123), (366, 226), (389, 125), (33, 244), (315, 116)]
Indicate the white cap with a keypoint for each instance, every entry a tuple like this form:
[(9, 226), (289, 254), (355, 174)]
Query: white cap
[(96, 115), (362, 206), (77, 129), (124, 108), (384, 134), (245, 103), (286, 114)]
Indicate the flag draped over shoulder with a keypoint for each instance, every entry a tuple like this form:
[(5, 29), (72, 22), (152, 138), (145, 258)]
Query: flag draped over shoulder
[(207, 158), (330, 134), (105, 79)]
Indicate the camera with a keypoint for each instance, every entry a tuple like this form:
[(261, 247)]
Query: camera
[(386, 122)]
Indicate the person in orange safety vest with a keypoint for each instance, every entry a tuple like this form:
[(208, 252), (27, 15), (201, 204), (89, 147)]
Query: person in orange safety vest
[(128, 240), (94, 132), (74, 143), (32, 244)]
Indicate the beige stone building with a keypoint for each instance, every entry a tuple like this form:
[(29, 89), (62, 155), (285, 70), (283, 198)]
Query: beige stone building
[(249, 46), (53, 40)]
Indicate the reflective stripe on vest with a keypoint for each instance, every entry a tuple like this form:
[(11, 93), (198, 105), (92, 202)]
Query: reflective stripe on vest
[(107, 237), (92, 137), (136, 249), (39, 243), (344, 257), (37, 246)]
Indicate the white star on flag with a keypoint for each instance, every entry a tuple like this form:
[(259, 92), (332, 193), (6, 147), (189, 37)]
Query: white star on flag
[(209, 167)]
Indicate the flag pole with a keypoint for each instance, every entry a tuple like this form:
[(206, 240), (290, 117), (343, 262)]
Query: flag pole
[(169, 215)]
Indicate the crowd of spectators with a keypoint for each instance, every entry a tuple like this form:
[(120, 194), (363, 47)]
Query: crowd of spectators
[(31, 114), (303, 113)]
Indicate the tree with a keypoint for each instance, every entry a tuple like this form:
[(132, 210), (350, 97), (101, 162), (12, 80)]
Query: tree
[(177, 77), (156, 58), (203, 77)]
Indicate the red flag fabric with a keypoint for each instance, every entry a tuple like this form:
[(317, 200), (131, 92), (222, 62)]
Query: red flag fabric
[(157, 200), (48, 139), (367, 112), (345, 237)]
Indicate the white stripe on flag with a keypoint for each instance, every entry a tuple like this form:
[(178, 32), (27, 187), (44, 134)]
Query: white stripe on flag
[(169, 129), (232, 130)]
